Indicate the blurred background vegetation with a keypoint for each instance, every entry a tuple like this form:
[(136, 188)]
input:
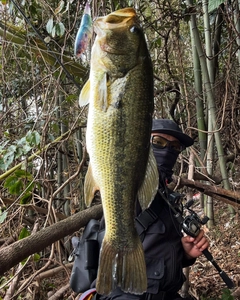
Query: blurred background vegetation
[(195, 49)]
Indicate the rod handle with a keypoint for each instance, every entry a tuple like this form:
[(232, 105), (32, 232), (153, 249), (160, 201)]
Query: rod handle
[(223, 275)]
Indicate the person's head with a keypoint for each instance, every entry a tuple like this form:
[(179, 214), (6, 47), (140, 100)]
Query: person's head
[(168, 141)]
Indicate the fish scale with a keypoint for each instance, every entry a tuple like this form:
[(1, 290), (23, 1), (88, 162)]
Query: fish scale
[(122, 166)]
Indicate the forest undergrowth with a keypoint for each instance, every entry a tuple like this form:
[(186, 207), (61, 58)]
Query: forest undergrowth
[(205, 281)]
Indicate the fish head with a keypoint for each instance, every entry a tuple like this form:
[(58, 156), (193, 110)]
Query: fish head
[(120, 42)]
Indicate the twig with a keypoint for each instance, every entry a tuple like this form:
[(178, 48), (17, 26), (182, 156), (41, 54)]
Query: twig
[(14, 283), (29, 280), (15, 279), (60, 292), (50, 207), (52, 272), (34, 155)]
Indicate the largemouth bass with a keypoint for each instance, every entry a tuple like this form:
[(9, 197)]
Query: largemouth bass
[(122, 166)]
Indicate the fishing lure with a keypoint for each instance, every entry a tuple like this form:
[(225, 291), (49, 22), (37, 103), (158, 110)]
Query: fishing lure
[(84, 33)]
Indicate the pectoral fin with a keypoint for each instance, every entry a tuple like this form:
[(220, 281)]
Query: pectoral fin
[(103, 92), (90, 186), (150, 184), (85, 94)]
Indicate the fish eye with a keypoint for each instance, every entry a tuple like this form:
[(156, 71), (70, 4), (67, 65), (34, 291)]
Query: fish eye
[(134, 29)]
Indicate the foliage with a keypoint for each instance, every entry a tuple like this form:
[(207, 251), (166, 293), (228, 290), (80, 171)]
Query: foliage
[(19, 148), (3, 215), (21, 184), (40, 82), (226, 295)]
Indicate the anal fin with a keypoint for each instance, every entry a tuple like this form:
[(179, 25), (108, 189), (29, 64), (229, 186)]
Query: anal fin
[(90, 186), (150, 184)]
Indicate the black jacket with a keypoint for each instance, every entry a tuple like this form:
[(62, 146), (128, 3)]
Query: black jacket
[(164, 254)]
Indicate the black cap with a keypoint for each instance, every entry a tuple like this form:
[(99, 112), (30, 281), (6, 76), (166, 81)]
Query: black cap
[(169, 127)]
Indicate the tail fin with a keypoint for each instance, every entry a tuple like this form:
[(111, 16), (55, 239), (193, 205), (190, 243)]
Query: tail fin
[(124, 268)]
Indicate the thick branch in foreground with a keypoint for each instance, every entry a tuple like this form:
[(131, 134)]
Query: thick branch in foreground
[(227, 196), (16, 252)]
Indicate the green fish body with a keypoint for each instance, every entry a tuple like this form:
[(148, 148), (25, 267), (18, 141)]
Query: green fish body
[(122, 165)]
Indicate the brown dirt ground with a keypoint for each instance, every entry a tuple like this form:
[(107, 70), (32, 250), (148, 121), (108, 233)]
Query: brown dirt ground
[(205, 282)]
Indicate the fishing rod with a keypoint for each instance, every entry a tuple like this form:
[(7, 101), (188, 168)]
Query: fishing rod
[(70, 77), (191, 225)]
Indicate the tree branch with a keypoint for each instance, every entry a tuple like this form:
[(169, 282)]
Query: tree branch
[(16, 252), (227, 196)]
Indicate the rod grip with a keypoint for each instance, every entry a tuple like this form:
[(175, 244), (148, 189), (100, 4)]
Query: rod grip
[(223, 275)]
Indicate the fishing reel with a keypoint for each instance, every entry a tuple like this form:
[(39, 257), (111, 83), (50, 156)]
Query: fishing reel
[(191, 224), (174, 199)]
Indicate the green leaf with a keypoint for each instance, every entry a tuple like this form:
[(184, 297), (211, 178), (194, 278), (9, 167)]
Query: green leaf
[(21, 173), (16, 188), (26, 198), (33, 138), (11, 180), (3, 216), (24, 146), (24, 233), (36, 257), (60, 29), (54, 32), (49, 26), (213, 4), (7, 160), (227, 295), (60, 7)]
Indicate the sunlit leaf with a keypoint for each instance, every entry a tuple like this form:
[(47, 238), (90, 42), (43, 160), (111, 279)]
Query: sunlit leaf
[(36, 257), (23, 233), (213, 4), (3, 216), (49, 26), (60, 7), (54, 31), (47, 39), (33, 138)]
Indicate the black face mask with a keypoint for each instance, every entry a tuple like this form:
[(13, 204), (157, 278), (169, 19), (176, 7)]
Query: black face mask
[(166, 159)]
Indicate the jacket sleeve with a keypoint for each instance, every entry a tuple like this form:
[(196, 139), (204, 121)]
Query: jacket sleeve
[(186, 262)]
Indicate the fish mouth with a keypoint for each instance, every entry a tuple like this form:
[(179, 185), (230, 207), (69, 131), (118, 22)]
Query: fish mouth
[(117, 19), (123, 18)]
